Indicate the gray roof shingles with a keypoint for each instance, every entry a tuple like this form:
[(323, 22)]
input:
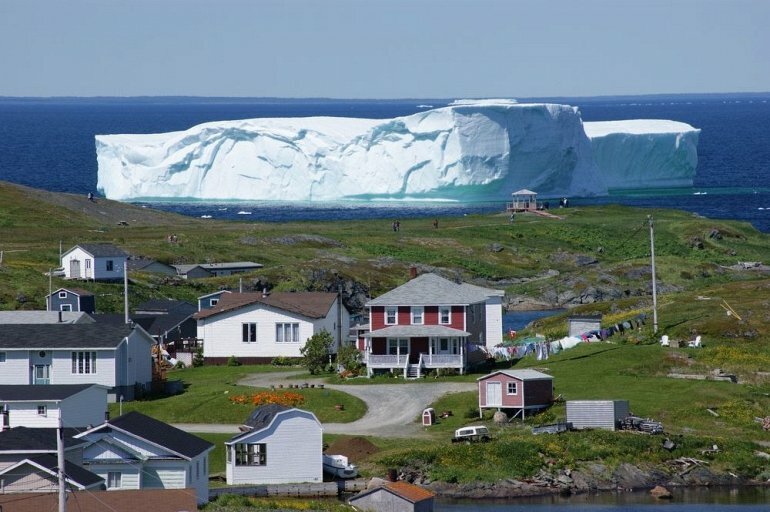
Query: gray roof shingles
[(35, 439), (74, 472), (160, 433), (53, 392), (59, 336), (102, 250), (433, 290)]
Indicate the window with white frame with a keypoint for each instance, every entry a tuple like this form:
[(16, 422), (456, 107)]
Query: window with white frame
[(62, 295), (84, 362), (250, 454), (214, 302), (513, 388), (65, 307), (445, 315), (391, 315), (249, 332), (113, 479), (287, 333), (398, 346), (42, 410), (418, 315)]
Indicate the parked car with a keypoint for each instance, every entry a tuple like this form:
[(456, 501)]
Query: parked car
[(647, 425), (471, 434)]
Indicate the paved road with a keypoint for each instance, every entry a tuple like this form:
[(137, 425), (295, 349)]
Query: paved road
[(393, 409)]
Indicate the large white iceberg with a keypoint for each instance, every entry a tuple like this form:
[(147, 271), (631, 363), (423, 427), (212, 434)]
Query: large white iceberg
[(467, 151)]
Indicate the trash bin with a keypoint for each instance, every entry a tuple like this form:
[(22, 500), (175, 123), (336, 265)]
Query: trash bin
[(428, 417)]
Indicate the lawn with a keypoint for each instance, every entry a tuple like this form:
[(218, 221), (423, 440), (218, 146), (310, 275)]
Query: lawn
[(212, 395)]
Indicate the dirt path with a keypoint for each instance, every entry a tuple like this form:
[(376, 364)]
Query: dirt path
[(392, 409)]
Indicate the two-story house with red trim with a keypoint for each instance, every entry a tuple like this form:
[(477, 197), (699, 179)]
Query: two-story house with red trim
[(430, 322)]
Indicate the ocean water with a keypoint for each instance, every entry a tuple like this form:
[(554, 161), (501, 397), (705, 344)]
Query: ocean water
[(49, 144)]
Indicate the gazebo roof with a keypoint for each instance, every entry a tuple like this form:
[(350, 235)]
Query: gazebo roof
[(524, 192)]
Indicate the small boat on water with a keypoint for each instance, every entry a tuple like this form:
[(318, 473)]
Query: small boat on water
[(339, 466)]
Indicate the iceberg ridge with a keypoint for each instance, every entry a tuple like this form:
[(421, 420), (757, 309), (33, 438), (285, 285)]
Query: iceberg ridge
[(472, 150)]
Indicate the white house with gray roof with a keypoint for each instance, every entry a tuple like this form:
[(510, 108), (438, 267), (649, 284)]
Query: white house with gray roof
[(280, 445), (77, 405), (97, 262), (429, 323), (115, 356)]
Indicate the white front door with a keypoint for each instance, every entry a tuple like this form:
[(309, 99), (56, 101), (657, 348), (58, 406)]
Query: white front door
[(494, 394), (74, 269)]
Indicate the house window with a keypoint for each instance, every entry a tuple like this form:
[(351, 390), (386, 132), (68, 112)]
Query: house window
[(2, 357), (113, 479), (214, 302), (398, 346), (287, 333), (62, 295), (250, 454), (84, 362), (110, 266), (391, 316), (88, 263), (513, 388), (250, 332), (65, 307), (445, 315), (42, 410), (417, 315)]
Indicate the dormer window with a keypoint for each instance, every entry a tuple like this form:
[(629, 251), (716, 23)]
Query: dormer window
[(391, 315), (418, 315)]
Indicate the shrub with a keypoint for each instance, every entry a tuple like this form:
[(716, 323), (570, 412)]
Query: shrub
[(198, 359), (180, 365), (233, 361), (315, 353), (350, 358), (284, 361)]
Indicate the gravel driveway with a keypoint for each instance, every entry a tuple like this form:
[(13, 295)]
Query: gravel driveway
[(392, 409)]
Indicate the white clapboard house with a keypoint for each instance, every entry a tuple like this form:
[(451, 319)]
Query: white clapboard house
[(134, 451), (280, 445), (115, 356), (257, 327), (97, 262), (38, 406)]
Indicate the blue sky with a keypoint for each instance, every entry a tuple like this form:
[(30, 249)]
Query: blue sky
[(383, 48)]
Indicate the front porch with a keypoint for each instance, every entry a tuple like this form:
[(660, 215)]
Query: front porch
[(413, 350)]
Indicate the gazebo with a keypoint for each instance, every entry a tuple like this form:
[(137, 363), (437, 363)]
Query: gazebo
[(523, 200)]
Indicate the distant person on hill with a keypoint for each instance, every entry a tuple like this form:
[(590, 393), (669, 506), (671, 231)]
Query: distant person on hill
[(91, 196)]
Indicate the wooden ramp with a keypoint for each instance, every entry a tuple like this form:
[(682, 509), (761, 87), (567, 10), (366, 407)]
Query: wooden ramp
[(544, 213)]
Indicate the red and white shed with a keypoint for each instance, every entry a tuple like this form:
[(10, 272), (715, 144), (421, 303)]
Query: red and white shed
[(520, 390)]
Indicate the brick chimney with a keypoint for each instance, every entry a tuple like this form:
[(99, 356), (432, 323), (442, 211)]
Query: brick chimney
[(412, 272)]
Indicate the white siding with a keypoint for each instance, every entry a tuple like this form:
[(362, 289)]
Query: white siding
[(494, 321), (75, 254), (85, 408), (25, 415), (129, 474), (294, 452), (28, 478), (61, 369), (15, 369), (139, 358), (331, 324), (164, 475), (223, 335)]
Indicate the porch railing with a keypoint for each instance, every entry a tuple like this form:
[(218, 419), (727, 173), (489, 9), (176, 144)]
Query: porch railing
[(442, 360), (387, 361)]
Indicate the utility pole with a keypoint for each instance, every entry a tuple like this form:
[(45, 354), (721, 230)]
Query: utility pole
[(60, 462), (125, 292), (654, 289)]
